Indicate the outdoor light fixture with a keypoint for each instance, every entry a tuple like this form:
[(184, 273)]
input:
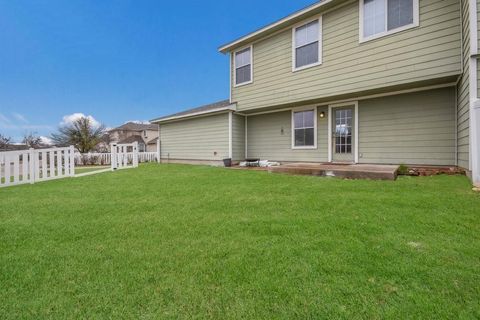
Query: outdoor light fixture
[(322, 114)]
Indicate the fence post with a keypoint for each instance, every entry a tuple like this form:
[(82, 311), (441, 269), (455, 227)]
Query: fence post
[(113, 156), (31, 157), (158, 150), (135, 154), (71, 154)]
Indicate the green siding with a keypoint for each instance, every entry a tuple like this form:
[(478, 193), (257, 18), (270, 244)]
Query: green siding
[(463, 92), (415, 128), (427, 52), (238, 137), (195, 139), (266, 140)]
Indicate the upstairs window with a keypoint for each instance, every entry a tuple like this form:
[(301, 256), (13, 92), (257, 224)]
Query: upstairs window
[(304, 123), (382, 17), (243, 66), (307, 45)]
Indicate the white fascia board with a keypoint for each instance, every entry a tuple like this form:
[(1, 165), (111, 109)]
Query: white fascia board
[(232, 107)]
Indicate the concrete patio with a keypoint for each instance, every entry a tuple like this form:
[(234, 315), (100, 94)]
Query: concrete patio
[(345, 171)]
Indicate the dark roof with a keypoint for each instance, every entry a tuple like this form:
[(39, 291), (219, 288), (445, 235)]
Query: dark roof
[(14, 147), (132, 139), (132, 126), (205, 108)]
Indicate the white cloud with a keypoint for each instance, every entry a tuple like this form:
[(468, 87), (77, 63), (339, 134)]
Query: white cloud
[(139, 121), (20, 117), (46, 140), (70, 118)]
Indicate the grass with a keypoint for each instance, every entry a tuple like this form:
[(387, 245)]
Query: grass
[(183, 242), (85, 169)]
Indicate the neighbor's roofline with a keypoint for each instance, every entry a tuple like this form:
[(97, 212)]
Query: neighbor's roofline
[(226, 47), (230, 107)]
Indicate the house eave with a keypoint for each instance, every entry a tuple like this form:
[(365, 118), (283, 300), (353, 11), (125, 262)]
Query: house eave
[(276, 26), (231, 107)]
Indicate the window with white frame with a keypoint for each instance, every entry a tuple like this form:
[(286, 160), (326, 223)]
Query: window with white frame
[(307, 45), (304, 128), (243, 66), (382, 17)]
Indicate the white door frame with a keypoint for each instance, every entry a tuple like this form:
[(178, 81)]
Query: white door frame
[(330, 119)]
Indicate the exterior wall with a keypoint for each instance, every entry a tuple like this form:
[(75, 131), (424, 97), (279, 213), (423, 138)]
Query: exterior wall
[(151, 134), (238, 137), (415, 128), (266, 141), (463, 95), (152, 147), (426, 52), (203, 138)]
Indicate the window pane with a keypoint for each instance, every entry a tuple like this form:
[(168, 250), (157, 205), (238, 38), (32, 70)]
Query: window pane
[(308, 119), (306, 34), (298, 119), (243, 74), (299, 137), (306, 55), (373, 17), (309, 137), (242, 58), (400, 13)]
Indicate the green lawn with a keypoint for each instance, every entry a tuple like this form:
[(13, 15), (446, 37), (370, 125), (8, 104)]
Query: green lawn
[(85, 169), (182, 242)]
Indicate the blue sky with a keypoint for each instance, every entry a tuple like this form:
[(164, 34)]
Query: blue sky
[(117, 60)]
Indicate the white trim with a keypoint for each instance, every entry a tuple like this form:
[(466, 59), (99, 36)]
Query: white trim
[(315, 127), (329, 135), (246, 137), (231, 107), (416, 22), (230, 79), (320, 44), (273, 25), (230, 135), (353, 104), (235, 67), (372, 96)]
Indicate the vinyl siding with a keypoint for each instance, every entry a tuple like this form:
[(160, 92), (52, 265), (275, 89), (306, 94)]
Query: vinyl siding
[(195, 139), (463, 92), (266, 140), (478, 24), (238, 137), (414, 128), (427, 52)]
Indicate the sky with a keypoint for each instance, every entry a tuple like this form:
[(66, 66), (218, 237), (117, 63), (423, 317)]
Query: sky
[(117, 60)]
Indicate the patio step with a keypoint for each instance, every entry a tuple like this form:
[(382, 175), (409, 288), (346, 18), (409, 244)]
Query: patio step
[(353, 171)]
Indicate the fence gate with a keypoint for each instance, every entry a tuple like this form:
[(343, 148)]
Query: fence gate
[(30, 166), (124, 155)]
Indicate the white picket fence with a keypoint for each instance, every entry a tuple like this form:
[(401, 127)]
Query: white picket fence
[(95, 158), (122, 158), (30, 166)]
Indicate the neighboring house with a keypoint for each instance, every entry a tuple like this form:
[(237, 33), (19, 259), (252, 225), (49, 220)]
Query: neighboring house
[(145, 134), (362, 81)]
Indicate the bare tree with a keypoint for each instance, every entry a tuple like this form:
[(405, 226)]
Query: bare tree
[(81, 133), (4, 142), (31, 140)]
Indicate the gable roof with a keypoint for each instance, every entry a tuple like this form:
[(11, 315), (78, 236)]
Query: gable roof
[(278, 25), (208, 108), (132, 139), (132, 126)]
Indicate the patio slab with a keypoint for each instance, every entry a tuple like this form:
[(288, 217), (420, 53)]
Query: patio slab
[(345, 171)]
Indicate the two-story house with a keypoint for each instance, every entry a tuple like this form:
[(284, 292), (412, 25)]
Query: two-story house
[(145, 134), (360, 81)]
